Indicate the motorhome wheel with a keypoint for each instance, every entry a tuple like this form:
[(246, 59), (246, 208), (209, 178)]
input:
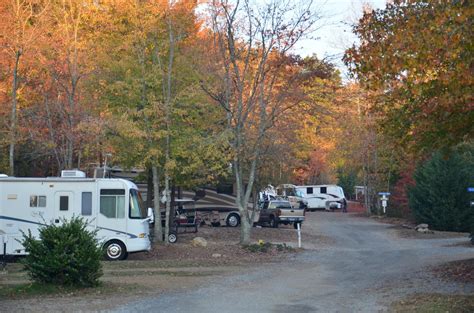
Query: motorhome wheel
[(233, 220), (115, 250)]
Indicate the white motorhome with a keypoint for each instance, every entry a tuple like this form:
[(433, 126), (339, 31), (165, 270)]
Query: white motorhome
[(111, 206), (326, 197)]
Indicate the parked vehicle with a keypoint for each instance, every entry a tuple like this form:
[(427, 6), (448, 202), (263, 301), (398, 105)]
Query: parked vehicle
[(327, 197), (216, 209), (113, 207), (185, 220), (275, 212), (290, 193)]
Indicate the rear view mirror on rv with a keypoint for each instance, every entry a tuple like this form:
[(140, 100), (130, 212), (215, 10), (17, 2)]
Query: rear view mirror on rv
[(150, 215)]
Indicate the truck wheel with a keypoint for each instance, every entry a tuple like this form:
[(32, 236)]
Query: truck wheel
[(233, 220), (115, 250), (273, 222)]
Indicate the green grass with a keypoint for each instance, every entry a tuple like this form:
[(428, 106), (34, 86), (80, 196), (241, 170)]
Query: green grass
[(435, 303), (32, 290), (152, 273), (36, 289)]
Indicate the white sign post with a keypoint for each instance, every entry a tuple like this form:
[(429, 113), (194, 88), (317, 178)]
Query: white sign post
[(384, 199), (298, 227)]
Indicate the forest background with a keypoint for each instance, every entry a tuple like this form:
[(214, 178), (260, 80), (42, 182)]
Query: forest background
[(198, 93)]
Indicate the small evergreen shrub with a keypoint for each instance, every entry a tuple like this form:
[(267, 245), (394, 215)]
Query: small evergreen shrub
[(440, 197), (67, 254)]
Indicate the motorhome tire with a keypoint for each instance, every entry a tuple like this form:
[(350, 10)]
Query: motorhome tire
[(233, 220), (273, 222), (115, 250)]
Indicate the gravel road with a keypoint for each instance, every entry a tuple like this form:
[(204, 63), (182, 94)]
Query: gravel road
[(366, 268)]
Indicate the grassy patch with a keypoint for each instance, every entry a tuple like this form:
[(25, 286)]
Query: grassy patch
[(259, 247), (434, 303), (33, 290), (151, 273), (268, 246)]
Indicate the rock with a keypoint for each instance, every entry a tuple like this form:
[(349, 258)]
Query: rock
[(199, 242), (216, 255), (421, 226)]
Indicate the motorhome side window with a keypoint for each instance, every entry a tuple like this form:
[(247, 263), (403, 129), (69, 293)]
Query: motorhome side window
[(309, 190), (112, 203), (86, 204), (324, 189), (37, 201)]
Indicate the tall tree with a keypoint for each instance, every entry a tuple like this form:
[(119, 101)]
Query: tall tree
[(23, 24), (418, 56), (251, 43)]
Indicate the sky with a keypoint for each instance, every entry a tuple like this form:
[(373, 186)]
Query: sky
[(334, 33)]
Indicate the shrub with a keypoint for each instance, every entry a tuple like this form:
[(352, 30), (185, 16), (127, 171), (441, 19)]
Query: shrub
[(347, 180), (439, 197), (260, 247), (67, 255)]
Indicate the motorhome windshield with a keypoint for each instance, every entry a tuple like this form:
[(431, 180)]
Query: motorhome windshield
[(137, 207)]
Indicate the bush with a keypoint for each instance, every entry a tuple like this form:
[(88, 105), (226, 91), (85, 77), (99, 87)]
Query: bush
[(347, 181), (67, 255), (440, 197), (260, 247)]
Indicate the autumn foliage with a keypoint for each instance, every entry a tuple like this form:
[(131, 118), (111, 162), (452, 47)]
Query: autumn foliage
[(187, 88)]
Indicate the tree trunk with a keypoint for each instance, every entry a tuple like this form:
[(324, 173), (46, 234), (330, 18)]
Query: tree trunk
[(13, 121), (245, 228), (168, 77), (149, 187), (168, 206), (158, 231)]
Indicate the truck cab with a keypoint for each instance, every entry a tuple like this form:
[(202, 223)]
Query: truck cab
[(275, 212)]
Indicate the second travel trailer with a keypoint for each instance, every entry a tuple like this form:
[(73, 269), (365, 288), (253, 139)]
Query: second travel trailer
[(113, 207), (327, 197)]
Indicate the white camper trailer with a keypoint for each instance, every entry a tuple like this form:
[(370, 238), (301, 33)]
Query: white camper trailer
[(326, 197), (112, 206)]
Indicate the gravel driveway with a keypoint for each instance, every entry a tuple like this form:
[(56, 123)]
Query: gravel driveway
[(366, 268)]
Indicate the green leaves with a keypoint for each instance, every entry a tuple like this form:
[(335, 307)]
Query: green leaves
[(418, 56), (440, 196), (68, 254)]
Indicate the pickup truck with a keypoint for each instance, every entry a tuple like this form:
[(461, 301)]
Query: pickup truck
[(275, 212)]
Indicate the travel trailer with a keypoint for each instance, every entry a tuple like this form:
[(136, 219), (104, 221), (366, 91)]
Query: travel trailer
[(113, 207), (326, 197)]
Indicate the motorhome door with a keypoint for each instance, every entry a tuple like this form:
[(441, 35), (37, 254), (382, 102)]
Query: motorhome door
[(64, 206)]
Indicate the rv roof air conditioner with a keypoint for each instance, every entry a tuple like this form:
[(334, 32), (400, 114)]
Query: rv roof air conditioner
[(73, 174)]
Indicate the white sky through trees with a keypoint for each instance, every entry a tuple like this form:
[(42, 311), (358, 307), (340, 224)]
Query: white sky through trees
[(335, 33)]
